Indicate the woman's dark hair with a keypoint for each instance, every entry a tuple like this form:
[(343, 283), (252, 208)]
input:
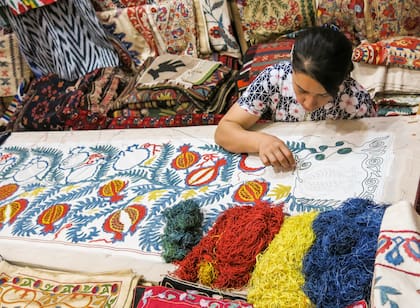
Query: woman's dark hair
[(324, 54)]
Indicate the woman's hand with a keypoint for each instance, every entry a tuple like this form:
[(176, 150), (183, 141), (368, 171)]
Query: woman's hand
[(234, 135), (274, 152)]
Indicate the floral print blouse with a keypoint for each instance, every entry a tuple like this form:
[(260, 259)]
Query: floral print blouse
[(271, 96)]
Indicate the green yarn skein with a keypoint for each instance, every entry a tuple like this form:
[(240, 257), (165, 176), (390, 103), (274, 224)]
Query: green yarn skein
[(183, 230)]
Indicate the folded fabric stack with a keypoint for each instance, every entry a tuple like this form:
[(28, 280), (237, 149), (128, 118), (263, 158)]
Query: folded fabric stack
[(52, 103), (169, 90), (176, 85), (26, 286), (397, 104), (401, 51)]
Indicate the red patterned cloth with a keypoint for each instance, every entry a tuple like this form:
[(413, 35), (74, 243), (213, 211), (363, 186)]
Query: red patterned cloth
[(22, 6), (52, 103), (259, 56), (371, 53), (401, 51), (162, 297), (166, 121)]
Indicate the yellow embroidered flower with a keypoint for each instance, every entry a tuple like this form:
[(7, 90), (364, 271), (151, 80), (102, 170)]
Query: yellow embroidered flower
[(31, 3), (164, 96)]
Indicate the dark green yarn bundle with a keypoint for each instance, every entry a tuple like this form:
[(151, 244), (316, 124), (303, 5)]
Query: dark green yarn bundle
[(183, 230)]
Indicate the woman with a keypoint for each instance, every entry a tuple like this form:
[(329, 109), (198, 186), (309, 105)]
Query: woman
[(314, 85)]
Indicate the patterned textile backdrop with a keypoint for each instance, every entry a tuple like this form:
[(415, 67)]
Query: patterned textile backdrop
[(265, 20), (111, 194), (371, 20), (13, 67)]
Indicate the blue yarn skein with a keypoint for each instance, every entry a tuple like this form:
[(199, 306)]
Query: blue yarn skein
[(338, 268)]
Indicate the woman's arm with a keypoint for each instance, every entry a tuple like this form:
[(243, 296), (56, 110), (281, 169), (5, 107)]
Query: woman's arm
[(233, 134)]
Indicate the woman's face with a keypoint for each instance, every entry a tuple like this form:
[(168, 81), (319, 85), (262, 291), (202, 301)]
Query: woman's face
[(309, 92)]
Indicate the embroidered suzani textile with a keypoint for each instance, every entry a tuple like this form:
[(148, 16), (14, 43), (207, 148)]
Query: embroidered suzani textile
[(22, 286), (396, 281), (109, 193)]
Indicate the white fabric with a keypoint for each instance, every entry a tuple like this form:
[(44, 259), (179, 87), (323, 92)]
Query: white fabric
[(378, 78), (396, 280), (74, 196)]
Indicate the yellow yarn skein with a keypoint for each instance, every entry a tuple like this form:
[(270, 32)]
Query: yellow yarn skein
[(277, 278), (206, 273)]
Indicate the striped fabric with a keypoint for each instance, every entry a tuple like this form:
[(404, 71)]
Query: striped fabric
[(64, 38)]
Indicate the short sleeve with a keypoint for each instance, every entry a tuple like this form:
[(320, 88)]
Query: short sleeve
[(354, 101), (263, 94)]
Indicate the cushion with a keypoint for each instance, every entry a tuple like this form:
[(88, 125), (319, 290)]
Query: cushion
[(220, 30), (263, 21), (28, 286), (259, 56), (130, 26), (173, 24), (371, 53), (372, 20), (150, 30), (397, 51), (203, 39), (404, 52), (349, 15), (389, 18)]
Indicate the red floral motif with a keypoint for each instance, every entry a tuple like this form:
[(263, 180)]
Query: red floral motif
[(389, 11), (384, 242), (406, 42), (271, 24), (287, 18), (411, 247), (358, 7), (215, 32), (411, 23)]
